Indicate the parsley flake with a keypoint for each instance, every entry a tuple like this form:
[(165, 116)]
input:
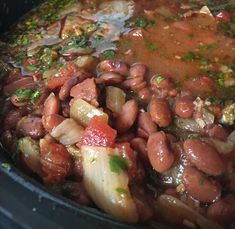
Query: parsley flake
[(118, 164)]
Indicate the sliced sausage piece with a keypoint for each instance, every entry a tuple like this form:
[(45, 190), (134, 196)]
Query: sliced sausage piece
[(51, 105), (146, 126), (204, 157), (160, 112), (223, 210), (127, 116), (52, 121), (85, 90), (199, 186), (160, 153), (30, 126)]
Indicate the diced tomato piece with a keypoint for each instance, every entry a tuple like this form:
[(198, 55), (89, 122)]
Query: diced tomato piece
[(127, 152), (99, 133), (55, 160)]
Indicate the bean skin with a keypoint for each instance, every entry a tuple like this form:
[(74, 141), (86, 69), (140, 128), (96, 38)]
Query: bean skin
[(200, 187), (138, 70), (109, 78), (30, 126), (146, 126), (12, 118), (127, 116), (223, 210), (184, 107), (51, 121), (160, 112), (140, 146), (204, 157), (159, 152), (114, 66), (145, 94), (65, 89), (51, 105)]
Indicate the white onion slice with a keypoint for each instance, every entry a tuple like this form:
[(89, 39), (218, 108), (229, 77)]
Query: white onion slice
[(102, 184), (68, 132)]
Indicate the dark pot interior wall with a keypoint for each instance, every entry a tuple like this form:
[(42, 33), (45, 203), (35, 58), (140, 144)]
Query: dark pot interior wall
[(11, 10)]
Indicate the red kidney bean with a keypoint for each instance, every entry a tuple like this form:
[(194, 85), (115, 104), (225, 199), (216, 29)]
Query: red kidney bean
[(65, 89), (160, 112), (183, 26), (9, 141), (199, 186), (15, 101), (171, 138), (224, 16), (30, 126), (215, 131), (145, 94), (51, 105), (138, 70), (85, 90), (146, 126), (160, 153), (114, 66), (24, 82), (109, 78), (184, 107), (163, 83), (223, 210), (127, 116), (12, 118), (201, 86), (65, 109), (51, 121), (204, 157), (140, 146), (134, 83), (44, 93), (126, 137)]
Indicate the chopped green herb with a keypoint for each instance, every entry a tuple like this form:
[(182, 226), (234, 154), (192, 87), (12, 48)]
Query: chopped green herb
[(150, 45), (27, 94), (220, 79), (91, 28), (206, 47), (118, 164), (159, 79), (35, 96), (215, 101), (189, 56), (21, 55), (121, 191), (97, 37), (108, 54), (143, 22), (23, 94), (31, 68), (79, 41), (6, 166)]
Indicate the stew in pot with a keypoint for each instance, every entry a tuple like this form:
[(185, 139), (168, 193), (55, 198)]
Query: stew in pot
[(126, 105)]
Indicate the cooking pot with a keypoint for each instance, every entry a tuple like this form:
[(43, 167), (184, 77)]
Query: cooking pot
[(25, 203)]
